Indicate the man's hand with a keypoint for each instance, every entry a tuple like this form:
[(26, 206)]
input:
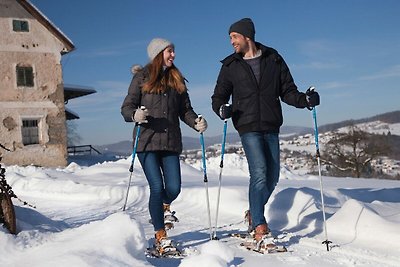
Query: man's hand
[(312, 97), (225, 111)]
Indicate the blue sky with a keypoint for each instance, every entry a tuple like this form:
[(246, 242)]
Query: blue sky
[(347, 49)]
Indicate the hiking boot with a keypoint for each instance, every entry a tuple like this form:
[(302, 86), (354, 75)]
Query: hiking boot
[(164, 245), (263, 239), (261, 232), (159, 236), (168, 214), (169, 217)]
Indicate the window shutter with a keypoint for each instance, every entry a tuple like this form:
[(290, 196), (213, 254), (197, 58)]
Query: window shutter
[(29, 76), (24, 76)]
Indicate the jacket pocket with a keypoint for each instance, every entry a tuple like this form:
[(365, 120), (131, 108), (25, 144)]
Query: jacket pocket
[(271, 111)]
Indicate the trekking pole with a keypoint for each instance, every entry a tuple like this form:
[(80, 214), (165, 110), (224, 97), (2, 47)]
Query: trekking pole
[(314, 111), (205, 180), (221, 166), (133, 161)]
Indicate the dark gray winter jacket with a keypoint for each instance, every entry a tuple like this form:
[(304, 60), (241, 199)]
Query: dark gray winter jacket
[(256, 107), (162, 132)]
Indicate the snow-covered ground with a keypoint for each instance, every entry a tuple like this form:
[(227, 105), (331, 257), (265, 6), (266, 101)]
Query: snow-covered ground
[(78, 219)]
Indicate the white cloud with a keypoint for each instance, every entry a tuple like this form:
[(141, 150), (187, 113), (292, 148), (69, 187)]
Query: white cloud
[(393, 71)]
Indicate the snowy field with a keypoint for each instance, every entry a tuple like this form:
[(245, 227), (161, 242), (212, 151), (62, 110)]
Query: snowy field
[(78, 219)]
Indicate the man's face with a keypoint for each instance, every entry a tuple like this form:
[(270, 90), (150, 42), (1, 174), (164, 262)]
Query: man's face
[(239, 42)]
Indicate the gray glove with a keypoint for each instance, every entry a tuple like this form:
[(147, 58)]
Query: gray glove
[(200, 124), (140, 115)]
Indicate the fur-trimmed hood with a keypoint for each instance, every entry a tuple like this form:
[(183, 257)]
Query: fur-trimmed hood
[(136, 68)]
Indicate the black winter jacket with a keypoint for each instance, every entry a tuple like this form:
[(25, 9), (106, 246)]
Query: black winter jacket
[(162, 132), (256, 107)]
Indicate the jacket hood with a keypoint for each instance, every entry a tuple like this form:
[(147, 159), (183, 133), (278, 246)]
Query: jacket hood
[(136, 68)]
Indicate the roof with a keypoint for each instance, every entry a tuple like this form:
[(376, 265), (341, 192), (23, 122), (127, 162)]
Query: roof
[(70, 115), (36, 13), (74, 91)]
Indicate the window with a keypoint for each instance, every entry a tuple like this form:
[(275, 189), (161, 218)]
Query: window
[(24, 76), (30, 131), (20, 26)]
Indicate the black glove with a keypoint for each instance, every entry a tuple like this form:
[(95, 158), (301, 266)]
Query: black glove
[(225, 111), (312, 97)]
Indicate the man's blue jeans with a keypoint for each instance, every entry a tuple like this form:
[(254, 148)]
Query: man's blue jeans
[(163, 173), (262, 153)]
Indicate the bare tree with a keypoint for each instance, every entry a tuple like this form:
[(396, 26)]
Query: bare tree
[(351, 153), (73, 138)]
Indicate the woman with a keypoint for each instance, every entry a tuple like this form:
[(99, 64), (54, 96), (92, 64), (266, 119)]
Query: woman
[(157, 98)]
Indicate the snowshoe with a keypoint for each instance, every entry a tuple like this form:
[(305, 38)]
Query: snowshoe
[(164, 249), (265, 245), (168, 225), (167, 249), (249, 236), (163, 246), (169, 217), (260, 240)]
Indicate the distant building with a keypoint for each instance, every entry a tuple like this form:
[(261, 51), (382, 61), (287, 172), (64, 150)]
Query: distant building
[(32, 99)]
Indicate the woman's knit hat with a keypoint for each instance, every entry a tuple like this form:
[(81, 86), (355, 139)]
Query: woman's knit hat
[(245, 27), (156, 46)]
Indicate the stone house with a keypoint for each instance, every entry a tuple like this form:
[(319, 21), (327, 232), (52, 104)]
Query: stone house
[(32, 100)]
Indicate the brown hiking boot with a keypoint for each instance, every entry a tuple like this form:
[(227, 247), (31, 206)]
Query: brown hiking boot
[(160, 235), (169, 217), (167, 207), (164, 246), (261, 231)]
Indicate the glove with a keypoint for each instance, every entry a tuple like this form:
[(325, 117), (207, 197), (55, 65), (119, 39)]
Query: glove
[(312, 97), (140, 115), (225, 111), (200, 124)]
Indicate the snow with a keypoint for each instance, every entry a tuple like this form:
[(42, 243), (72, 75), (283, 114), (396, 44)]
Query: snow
[(376, 127), (78, 219)]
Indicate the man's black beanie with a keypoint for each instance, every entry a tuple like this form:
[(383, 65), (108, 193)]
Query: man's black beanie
[(245, 27)]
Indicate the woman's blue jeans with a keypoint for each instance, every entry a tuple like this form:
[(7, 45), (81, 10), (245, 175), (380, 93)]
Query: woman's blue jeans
[(262, 153), (163, 173)]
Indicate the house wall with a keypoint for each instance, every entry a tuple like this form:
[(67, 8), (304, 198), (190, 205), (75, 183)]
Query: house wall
[(39, 49)]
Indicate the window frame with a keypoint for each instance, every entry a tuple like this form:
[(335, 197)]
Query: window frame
[(30, 135), (28, 75), (18, 25)]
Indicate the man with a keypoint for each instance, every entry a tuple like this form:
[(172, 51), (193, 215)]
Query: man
[(257, 78)]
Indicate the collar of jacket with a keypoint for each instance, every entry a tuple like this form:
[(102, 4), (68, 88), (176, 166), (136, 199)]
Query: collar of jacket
[(266, 51)]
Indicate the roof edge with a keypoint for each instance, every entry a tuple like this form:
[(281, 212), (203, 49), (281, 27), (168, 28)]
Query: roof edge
[(34, 11)]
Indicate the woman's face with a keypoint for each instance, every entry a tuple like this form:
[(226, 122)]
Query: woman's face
[(169, 56)]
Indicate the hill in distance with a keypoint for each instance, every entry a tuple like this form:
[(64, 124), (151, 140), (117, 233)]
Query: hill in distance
[(124, 148)]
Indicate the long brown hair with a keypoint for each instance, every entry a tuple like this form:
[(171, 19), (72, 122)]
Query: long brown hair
[(161, 80)]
